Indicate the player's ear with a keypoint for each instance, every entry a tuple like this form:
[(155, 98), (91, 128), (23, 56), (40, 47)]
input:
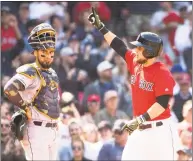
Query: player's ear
[(35, 52)]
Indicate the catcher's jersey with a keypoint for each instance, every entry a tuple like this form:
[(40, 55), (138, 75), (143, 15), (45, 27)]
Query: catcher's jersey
[(41, 88), (148, 83)]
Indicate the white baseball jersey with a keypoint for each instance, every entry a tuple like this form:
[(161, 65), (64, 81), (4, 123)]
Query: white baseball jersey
[(40, 139)]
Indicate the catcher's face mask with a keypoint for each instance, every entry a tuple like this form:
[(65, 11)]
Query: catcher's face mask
[(42, 37)]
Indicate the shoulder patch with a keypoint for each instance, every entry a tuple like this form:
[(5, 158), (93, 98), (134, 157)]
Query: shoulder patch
[(27, 70)]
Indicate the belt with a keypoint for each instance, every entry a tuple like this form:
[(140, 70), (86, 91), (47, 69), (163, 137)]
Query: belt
[(39, 123), (147, 126)]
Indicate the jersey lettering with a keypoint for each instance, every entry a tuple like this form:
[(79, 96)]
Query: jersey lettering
[(133, 79), (143, 84)]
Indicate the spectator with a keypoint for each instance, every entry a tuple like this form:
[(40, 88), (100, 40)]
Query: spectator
[(57, 24), (80, 79), (186, 138), (184, 154), (113, 149), (11, 39), (178, 72), (90, 133), (10, 150), (68, 112), (78, 150), (182, 96), (171, 21), (23, 18), (187, 54), (158, 26), (105, 130), (105, 83), (75, 130), (120, 70), (69, 103), (85, 28), (93, 105), (102, 9), (90, 59), (6, 110), (187, 116), (27, 48), (111, 112), (67, 62), (44, 10), (183, 31), (65, 151)]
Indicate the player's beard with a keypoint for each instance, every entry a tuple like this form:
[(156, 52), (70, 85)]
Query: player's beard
[(44, 65), (141, 61)]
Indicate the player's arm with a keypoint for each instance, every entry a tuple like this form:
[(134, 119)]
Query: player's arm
[(159, 106), (115, 42), (154, 111), (11, 90), (23, 79)]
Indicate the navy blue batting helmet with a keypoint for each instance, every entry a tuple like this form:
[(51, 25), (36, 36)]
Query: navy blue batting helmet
[(151, 42)]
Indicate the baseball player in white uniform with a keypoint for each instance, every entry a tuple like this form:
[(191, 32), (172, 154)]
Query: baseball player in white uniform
[(34, 89)]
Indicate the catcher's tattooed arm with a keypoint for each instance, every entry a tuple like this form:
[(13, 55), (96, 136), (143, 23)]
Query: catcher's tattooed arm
[(11, 90)]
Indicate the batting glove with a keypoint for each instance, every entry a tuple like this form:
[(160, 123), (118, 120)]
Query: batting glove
[(133, 124), (95, 20)]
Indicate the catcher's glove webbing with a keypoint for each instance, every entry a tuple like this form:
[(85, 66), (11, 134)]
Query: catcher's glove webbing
[(19, 124)]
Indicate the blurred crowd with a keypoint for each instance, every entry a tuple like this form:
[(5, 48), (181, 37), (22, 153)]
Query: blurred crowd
[(95, 94)]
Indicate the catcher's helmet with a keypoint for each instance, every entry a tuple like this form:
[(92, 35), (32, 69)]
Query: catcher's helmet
[(151, 42), (42, 37)]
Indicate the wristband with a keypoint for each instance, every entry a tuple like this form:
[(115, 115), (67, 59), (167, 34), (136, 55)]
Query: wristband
[(103, 30), (142, 118), (146, 116)]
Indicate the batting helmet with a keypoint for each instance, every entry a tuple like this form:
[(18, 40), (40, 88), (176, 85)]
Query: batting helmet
[(151, 42), (42, 37)]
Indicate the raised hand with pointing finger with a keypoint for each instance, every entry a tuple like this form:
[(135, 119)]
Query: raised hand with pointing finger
[(95, 21)]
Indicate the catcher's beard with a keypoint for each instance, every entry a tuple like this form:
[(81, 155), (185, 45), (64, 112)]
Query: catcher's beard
[(43, 64)]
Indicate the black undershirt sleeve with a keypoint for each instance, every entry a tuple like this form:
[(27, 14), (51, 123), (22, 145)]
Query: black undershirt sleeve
[(163, 100), (119, 46)]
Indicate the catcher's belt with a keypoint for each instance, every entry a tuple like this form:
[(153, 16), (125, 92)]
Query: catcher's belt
[(19, 124), (40, 123)]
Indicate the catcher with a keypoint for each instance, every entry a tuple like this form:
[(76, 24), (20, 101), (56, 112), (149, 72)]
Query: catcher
[(34, 89), (151, 134)]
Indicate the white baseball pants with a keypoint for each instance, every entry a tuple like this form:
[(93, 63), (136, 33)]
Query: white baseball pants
[(156, 143), (40, 142)]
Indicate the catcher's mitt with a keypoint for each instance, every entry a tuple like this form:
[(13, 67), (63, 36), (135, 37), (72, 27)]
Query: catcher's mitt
[(19, 124)]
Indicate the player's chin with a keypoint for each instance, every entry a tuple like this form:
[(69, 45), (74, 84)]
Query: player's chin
[(46, 65)]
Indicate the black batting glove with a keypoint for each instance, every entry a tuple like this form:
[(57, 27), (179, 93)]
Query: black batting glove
[(95, 20)]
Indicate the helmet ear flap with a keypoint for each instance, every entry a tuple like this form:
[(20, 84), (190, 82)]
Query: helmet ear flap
[(148, 54)]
